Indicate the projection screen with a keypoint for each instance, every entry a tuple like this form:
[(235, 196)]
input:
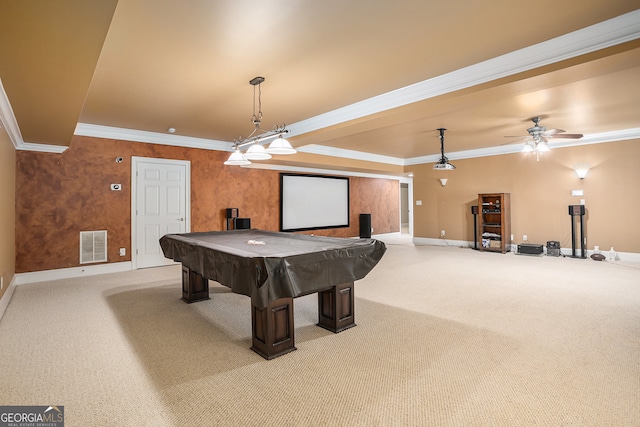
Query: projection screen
[(312, 202)]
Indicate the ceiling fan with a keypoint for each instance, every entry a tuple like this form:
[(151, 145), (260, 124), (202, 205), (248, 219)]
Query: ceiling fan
[(539, 136)]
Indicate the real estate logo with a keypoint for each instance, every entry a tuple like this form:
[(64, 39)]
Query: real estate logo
[(31, 416)]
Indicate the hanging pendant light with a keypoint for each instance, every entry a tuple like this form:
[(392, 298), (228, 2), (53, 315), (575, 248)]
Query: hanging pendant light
[(258, 136), (257, 152), (237, 159), (280, 146)]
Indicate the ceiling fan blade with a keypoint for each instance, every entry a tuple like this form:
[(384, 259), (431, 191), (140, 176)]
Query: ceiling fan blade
[(551, 132), (566, 136)]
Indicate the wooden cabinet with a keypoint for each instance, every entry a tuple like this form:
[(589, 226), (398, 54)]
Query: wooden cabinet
[(494, 222)]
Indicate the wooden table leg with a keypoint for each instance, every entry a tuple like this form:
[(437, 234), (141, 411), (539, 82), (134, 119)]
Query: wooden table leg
[(336, 308), (194, 286), (272, 328)]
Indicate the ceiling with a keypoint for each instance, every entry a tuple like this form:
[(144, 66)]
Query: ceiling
[(361, 80)]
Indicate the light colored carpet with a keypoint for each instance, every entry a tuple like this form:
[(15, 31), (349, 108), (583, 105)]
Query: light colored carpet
[(445, 337)]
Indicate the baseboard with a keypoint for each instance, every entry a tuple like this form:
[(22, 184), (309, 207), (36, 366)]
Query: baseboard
[(67, 273), (426, 241), (619, 256), (6, 297)]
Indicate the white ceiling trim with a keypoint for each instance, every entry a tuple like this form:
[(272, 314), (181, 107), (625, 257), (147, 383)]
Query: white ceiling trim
[(99, 131), (599, 36), (590, 39), (350, 154), (10, 124), (8, 119), (402, 177), (42, 148), (596, 138)]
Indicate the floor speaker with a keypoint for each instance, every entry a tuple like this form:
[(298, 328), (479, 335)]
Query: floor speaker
[(365, 226)]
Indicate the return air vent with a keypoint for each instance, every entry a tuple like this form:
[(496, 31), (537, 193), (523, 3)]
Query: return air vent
[(93, 246)]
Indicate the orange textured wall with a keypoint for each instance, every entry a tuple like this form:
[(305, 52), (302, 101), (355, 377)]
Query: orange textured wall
[(59, 195)]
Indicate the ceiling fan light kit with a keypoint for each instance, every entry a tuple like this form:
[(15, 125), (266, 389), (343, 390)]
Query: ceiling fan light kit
[(256, 150), (537, 141), (443, 163)]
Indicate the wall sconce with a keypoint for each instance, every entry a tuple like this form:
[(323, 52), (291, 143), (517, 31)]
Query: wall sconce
[(582, 172), (443, 181)]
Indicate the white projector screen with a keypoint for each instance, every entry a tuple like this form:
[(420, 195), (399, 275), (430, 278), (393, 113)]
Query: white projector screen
[(312, 202)]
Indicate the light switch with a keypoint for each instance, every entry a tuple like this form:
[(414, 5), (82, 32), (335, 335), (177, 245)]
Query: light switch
[(418, 202), (577, 193)]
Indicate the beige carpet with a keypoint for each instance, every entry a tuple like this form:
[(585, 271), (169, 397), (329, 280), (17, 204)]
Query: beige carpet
[(445, 337)]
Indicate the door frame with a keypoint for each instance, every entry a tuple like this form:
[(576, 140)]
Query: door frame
[(409, 182), (134, 192)]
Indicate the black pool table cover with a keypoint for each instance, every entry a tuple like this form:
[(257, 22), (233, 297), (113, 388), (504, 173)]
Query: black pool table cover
[(267, 265)]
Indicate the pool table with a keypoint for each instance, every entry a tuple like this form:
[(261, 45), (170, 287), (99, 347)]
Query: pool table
[(273, 268)]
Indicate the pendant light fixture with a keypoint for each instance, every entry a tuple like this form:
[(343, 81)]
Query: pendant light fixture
[(254, 141), (443, 163)]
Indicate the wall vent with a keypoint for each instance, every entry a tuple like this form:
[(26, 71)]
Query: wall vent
[(93, 246)]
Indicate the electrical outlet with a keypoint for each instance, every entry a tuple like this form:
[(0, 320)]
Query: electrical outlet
[(123, 251), (2, 282), (442, 233), (524, 238), (512, 237)]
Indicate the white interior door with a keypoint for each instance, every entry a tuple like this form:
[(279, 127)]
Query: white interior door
[(160, 205)]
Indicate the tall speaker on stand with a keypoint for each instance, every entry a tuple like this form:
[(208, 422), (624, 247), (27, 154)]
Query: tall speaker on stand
[(474, 212), (577, 215)]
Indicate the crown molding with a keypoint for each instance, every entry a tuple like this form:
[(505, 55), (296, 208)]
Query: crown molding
[(596, 138), (8, 119), (599, 36), (99, 131), (350, 154), (605, 34), (42, 148), (10, 124), (401, 177)]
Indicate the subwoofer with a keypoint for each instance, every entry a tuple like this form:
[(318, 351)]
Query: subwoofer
[(553, 248), (242, 223)]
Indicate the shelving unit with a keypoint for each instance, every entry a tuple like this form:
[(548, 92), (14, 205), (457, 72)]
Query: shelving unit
[(494, 222)]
